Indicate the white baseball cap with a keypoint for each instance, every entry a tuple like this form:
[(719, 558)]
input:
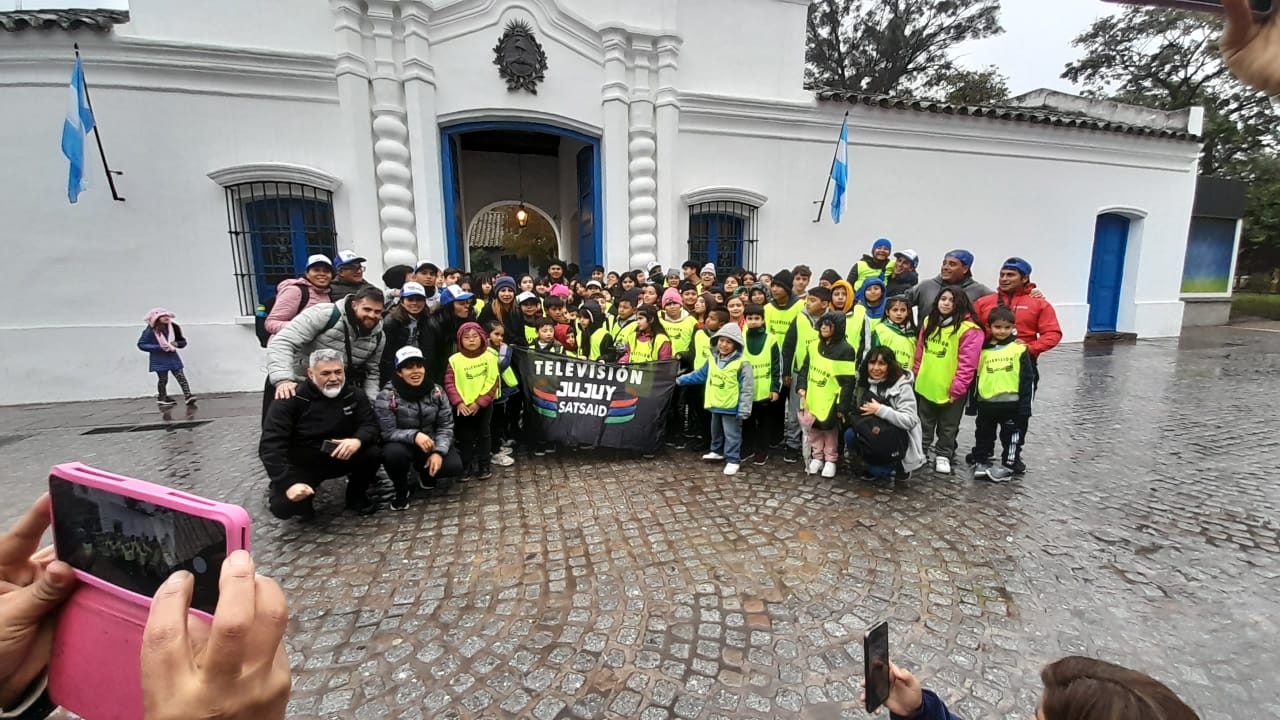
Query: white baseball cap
[(525, 297), (319, 260), (346, 257), (407, 353), (652, 264), (412, 289)]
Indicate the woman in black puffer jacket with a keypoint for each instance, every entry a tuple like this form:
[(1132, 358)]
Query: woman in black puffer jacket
[(417, 427)]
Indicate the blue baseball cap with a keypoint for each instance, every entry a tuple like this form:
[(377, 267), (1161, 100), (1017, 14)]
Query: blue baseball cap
[(964, 256), (346, 257), (453, 293), (1017, 263)]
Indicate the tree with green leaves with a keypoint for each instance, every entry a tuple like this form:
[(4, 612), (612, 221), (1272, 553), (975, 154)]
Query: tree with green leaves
[(1169, 59), (897, 47)]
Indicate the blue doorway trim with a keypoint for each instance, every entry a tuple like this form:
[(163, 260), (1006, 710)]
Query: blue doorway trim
[(587, 256)]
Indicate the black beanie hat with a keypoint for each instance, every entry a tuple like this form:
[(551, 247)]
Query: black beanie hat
[(830, 275), (783, 278)]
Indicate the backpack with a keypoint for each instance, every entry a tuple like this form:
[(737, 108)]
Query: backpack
[(876, 440), (260, 317)]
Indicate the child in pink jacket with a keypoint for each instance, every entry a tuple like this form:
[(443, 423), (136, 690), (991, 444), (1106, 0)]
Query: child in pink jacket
[(945, 361)]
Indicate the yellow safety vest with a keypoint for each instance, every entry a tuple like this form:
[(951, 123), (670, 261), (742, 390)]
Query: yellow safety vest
[(806, 333), (643, 351), (479, 306), (822, 386), (681, 333), (903, 346), (762, 368), (999, 371), (530, 333), (939, 362), (625, 333), (722, 386), (866, 272), (701, 348), (855, 322), (508, 375), (779, 320), (474, 376)]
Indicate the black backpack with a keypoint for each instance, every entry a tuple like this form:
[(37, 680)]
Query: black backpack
[(260, 318), (876, 440)]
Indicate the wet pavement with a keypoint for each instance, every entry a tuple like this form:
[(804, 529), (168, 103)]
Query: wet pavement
[(594, 585)]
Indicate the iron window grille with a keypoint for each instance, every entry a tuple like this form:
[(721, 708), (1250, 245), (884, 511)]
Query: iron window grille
[(723, 233), (274, 227)]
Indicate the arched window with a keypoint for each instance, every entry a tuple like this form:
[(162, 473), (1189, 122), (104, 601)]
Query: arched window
[(722, 226), (277, 216)]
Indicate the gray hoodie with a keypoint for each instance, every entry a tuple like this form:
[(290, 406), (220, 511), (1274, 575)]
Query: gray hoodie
[(923, 295)]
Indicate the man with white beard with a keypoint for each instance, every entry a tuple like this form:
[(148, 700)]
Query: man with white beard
[(325, 429)]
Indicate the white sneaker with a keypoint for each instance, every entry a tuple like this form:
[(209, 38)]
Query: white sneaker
[(712, 456), (731, 469), (503, 460), (942, 465), (815, 466), (829, 470)]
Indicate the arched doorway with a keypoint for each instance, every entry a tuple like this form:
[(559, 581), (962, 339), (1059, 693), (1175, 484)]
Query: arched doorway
[(1106, 273), (498, 242)]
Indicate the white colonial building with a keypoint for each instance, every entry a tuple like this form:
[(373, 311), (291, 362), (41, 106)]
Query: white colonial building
[(250, 134)]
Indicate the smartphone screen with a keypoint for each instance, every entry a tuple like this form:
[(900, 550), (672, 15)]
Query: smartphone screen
[(135, 544), (875, 658)]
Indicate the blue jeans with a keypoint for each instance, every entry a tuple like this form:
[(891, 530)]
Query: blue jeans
[(726, 436)]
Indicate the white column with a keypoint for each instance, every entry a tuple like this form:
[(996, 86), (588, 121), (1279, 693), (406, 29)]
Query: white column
[(670, 237), (424, 134), (615, 98), (359, 230), (391, 143), (642, 167)]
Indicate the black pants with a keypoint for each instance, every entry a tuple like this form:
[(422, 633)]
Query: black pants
[(1012, 429), (162, 383), (504, 423), (268, 396), (471, 437), (398, 457), (313, 467), (762, 428), (698, 427)]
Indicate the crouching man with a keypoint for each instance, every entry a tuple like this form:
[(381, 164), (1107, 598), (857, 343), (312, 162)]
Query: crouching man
[(325, 430)]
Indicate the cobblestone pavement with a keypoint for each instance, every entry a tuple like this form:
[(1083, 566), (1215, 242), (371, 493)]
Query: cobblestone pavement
[(599, 585)]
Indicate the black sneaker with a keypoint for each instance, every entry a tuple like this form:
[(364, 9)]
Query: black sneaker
[(761, 457), (368, 508), (791, 455), (1017, 466), (191, 399), (484, 474), (400, 504), (166, 401)]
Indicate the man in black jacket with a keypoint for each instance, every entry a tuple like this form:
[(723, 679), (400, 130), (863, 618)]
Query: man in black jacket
[(324, 430)]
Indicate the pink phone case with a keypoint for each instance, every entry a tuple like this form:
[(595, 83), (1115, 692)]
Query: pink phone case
[(96, 669)]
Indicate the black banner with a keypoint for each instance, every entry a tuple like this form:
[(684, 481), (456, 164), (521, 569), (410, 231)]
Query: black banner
[(570, 400)]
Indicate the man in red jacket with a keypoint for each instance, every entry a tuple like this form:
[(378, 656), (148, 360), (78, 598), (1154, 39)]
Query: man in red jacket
[(1037, 323)]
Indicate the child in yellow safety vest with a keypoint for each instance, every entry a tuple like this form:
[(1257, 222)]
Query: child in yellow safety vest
[(680, 327), (471, 382), (649, 342), (1001, 396), (504, 426), (764, 428), (945, 360), (897, 331), (728, 395), (824, 386)]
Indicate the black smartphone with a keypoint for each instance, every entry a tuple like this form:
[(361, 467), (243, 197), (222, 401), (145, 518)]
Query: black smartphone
[(1260, 7), (875, 665), (328, 446)]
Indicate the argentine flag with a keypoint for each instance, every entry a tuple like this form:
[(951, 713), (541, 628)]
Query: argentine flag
[(75, 127), (840, 172)]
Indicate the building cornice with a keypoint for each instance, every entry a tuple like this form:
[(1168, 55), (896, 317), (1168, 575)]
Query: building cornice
[(724, 193), (275, 172)]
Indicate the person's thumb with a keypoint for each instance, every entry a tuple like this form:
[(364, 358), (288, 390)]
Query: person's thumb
[(28, 605)]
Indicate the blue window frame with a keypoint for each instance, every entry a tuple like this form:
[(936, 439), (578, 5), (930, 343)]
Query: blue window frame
[(723, 233), (274, 227)]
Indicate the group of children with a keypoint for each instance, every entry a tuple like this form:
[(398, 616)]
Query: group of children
[(765, 361)]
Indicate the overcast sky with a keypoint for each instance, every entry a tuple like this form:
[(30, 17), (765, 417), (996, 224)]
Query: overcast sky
[(1036, 44), (1032, 51)]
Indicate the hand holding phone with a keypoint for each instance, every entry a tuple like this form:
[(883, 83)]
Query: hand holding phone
[(875, 666)]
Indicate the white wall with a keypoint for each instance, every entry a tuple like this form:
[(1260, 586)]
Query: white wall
[(937, 183), (280, 25), (92, 270), (743, 48)]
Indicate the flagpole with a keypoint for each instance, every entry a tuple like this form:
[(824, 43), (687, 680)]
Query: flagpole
[(826, 190), (111, 182)]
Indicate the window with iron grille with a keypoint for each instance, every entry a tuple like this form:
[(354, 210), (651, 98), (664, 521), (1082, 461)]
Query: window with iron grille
[(274, 227), (723, 233)]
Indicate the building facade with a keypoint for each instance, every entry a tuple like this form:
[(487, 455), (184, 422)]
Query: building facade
[(251, 134)]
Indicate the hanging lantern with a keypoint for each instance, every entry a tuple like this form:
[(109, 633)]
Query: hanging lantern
[(522, 216)]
